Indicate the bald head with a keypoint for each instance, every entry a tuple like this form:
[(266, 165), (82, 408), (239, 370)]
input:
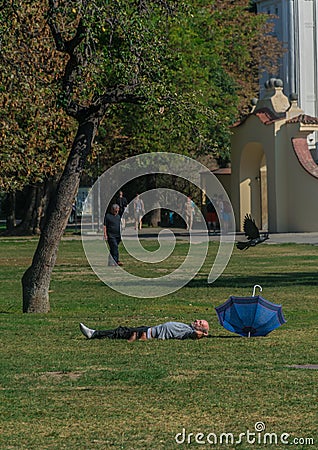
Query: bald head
[(201, 325)]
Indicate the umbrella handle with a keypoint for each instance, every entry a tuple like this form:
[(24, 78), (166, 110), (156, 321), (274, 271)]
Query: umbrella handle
[(254, 289)]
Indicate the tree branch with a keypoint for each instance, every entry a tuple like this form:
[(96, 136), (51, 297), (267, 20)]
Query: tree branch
[(77, 59), (56, 34), (120, 95)]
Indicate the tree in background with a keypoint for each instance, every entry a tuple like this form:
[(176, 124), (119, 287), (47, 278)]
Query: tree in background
[(34, 133)]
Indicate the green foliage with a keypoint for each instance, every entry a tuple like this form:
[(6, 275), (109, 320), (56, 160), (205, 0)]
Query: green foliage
[(172, 76), (210, 73), (114, 44), (193, 70), (35, 135)]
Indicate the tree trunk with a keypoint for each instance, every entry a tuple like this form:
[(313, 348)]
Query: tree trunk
[(38, 198), (10, 211), (155, 214), (26, 225), (36, 280), (155, 217), (44, 195)]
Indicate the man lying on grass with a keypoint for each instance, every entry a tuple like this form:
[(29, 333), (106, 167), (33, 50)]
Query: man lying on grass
[(169, 330)]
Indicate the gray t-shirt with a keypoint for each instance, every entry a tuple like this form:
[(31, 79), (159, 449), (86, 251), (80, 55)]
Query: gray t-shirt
[(173, 330)]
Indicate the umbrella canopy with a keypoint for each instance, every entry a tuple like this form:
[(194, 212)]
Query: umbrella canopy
[(250, 316)]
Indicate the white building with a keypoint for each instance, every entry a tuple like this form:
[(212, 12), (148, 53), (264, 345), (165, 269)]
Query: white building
[(296, 26)]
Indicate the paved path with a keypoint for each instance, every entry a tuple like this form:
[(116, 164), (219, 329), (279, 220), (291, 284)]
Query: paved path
[(182, 234), (298, 238), (275, 238)]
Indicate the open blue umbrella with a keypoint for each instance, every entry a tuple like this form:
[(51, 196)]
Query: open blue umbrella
[(250, 316)]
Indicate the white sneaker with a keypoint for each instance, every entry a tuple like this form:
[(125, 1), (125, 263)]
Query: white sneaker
[(88, 332)]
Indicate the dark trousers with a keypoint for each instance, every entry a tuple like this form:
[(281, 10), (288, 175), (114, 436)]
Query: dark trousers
[(113, 242), (119, 333)]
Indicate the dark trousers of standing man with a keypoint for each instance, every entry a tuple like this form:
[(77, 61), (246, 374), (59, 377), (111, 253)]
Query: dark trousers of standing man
[(113, 242)]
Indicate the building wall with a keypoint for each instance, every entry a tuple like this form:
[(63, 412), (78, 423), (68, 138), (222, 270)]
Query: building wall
[(290, 203), (296, 27)]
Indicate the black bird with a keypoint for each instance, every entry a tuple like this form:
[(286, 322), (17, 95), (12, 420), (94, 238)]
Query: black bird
[(252, 233)]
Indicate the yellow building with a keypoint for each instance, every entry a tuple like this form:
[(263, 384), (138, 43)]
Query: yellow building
[(273, 175)]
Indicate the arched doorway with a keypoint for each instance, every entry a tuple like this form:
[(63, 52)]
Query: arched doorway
[(253, 184)]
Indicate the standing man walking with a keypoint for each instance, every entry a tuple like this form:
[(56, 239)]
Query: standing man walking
[(112, 234)]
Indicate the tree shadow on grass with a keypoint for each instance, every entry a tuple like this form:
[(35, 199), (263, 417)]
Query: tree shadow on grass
[(267, 279)]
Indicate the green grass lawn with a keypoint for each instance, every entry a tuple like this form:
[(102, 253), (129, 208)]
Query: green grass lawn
[(61, 391)]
